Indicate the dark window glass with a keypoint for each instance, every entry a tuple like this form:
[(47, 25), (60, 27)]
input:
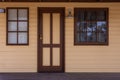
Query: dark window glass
[(91, 26)]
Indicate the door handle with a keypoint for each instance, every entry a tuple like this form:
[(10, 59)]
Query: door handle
[(41, 37)]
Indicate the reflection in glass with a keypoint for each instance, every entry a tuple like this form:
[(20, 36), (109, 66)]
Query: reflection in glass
[(12, 38), (83, 37), (102, 37), (91, 26), (101, 15), (78, 37), (12, 26), (81, 16), (22, 26), (81, 26), (22, 38), (91, 15), (101, 26), (91, 37), (22, 14), (78, 26), (12, 14)]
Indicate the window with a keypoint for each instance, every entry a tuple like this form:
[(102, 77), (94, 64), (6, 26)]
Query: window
[(17, 26), (91, 26)]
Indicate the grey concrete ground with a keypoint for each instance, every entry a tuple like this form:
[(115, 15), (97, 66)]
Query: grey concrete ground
[(60, 76)]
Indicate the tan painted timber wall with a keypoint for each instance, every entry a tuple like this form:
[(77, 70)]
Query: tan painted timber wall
[(77, 58)]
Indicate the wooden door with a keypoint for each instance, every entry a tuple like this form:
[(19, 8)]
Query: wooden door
[(50, 39)]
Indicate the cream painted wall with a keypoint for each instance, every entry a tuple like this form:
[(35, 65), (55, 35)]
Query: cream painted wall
[(77, 58)]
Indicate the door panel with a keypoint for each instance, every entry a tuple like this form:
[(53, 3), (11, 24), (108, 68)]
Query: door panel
[(50, 39), (46, 57), (56, 28), (46, 28), (56, 57)]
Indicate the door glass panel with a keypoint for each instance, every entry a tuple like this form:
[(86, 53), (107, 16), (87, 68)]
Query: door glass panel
[(46, 57), (12, 37), (12, 26), (22, 26), (22, 38), (46, 28), (22, 14), (12, 14), (56, 28), (56, 56)]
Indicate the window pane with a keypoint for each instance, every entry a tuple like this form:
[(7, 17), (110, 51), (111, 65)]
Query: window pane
[(12, 14), (101, 26), (22, 38), (78, 37), (81, 26), (91, 26), (91, 15), (12, 38), (83, 37), (102, 37), (102, 29), (22, 26), (22, 14), (81, 16), (78, 26), (12, 26), (101, 15), (91, 37)]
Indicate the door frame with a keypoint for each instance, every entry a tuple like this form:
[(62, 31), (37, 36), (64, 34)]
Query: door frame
[(38, 38)]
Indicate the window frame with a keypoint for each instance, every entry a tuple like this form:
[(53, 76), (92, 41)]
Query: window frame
[(17, 21), (107, 25)]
